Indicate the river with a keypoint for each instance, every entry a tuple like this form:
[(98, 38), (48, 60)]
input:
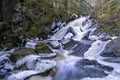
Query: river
[(82, 50)]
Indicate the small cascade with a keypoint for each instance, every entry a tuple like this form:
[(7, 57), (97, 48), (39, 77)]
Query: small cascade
[(86, 47)]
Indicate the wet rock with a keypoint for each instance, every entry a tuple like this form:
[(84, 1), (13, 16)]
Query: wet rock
[(39, 77), (42, 48), (92, 66), (113, 60), (112, 48), (109, 54), (106, 38), (65, 41), (70, 44), (80, 49), (21, 53), (48, 56)]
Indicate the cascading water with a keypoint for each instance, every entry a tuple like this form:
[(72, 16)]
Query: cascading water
[(87, 47), (81, 50)]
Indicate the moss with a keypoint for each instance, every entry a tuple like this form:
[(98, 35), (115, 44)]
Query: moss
[(20, 53), (42, 48)]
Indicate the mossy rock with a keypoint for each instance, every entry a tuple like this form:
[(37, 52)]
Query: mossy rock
[(42, 48), (21, 53)]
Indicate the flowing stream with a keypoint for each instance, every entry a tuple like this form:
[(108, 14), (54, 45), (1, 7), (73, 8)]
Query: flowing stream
[(87, 47), (81, 48)]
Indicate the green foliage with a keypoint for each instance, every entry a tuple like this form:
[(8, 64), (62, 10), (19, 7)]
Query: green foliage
[(30, 17), (33, 28), (108, 16), (29, 3)]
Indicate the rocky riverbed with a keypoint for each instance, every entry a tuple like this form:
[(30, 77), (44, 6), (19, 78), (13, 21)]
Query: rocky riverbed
[(73, 52)]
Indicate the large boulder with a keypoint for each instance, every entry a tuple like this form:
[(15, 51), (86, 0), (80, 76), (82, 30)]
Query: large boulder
[(112, 48), (21, 53), (42, 48), (39, 77)]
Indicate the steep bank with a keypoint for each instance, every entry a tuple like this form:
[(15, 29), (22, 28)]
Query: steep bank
[(108, 17)]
